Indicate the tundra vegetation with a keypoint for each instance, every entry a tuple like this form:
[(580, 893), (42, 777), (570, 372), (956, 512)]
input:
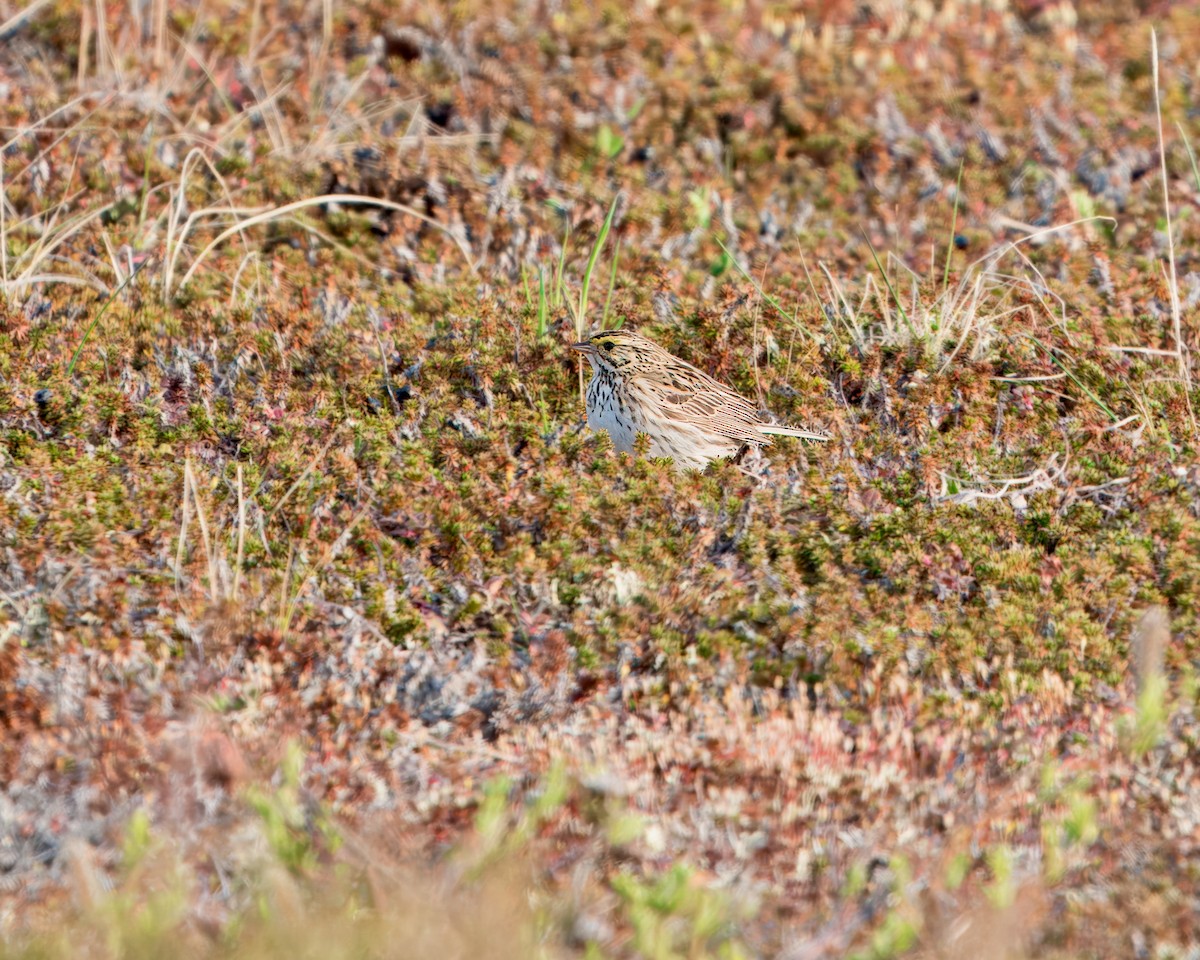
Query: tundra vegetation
[(326, 629)]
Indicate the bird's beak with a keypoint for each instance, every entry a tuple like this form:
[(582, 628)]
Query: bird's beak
[(583, 347)]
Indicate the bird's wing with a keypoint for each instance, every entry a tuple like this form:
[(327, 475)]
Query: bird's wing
[(692, 396)]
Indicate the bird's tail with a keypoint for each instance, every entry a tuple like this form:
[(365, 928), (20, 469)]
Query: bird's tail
[(774, 430)]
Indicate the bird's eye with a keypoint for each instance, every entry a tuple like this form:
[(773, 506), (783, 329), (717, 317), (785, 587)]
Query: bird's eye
[(608, 345)]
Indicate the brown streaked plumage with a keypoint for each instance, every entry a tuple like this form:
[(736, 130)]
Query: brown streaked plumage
[(637, 387)]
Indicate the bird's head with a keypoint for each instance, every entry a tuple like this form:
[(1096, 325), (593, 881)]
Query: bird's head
[(616, 350)]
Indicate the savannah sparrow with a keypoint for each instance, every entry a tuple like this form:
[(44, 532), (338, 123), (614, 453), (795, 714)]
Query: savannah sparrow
[(637, 387)]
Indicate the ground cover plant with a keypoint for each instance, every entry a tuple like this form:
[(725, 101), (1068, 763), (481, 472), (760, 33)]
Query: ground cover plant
[(327, 629)]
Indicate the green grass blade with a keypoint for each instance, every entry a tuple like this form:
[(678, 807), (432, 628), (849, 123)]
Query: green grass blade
[(558, 274), (104, 309), (1049, 351), (1190, 152), (953, 224), (612, 282), (601, 238), (892, 290), (543, 308), (778, 307)]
